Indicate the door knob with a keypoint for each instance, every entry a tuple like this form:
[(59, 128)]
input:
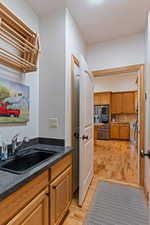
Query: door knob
[(143, 154), (85, 137)]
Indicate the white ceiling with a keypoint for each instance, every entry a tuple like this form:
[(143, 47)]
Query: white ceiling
[(108, 20)]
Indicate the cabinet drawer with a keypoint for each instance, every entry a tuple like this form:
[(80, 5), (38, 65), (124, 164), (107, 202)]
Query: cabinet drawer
[(10, 206), (124, 125), (59, 167)]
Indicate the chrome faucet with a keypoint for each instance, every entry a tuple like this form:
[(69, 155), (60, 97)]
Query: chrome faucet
[(16, 144)]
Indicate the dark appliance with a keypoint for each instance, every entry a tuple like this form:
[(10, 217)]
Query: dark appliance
[(101, 114), (103, 132), (101, 119)]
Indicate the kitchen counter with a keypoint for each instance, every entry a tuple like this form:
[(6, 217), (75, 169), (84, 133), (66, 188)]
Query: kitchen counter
[(99, 124), (10, 182), (120, 122)]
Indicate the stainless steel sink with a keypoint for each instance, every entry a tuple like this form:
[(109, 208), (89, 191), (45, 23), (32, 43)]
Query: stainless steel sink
[(28, 161)]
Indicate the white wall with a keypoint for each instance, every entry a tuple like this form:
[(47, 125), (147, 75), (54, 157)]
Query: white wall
[(30, 129), (117, 53), (52, 74), (116, 83), (147, 109), (74, 46)]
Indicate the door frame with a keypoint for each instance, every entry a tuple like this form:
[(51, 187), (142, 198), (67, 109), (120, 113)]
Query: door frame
[(139, 68), (75, 184), (74, 61)]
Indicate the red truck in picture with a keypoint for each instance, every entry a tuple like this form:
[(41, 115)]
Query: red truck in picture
[(4, 111)]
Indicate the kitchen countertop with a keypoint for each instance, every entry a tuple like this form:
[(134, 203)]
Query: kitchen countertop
[(120, 122), (10, 182)]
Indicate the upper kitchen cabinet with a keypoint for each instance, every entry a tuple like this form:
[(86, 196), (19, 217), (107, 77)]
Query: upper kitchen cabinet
[(128, 102), (103, 98), (116, 103), (124, 102)]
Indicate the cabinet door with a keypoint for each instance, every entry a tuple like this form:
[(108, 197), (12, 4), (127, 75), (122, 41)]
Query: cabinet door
[(105, 98), (115, 131), (35, 213), (97, 99), (61, 193), (124, 132), (128, 100), (116, 103)]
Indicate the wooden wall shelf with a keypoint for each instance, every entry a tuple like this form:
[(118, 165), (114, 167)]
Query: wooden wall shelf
[(17, 35)]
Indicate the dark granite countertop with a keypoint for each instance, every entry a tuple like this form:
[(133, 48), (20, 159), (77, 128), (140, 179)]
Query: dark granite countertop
[(120, 122), (10, 182)]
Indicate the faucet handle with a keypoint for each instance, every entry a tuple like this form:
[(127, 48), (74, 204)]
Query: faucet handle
[(15, 137), (26, 139)]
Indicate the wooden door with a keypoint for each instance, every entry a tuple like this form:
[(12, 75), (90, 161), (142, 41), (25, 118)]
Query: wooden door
[(86, 130), (124, 132), (115, 131), (116, 103), (60, 196), (35, 213), (128, 102)]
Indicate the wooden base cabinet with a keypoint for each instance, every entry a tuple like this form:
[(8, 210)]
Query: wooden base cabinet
[(120, 131), (61, 194), (35, 213), (124, 132), (115, 134), (44, 200)]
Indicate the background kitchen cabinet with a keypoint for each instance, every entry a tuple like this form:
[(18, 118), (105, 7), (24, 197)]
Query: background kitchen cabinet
[(115, 131), (116, 107), (102, 98), (120, 131), (128, 102), (124, 131), (123, 103)]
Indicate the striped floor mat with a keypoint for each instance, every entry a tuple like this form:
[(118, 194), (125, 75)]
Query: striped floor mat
[(115, 204)]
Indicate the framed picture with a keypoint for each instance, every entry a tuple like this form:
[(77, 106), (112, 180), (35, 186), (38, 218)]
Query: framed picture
[(14, 102)]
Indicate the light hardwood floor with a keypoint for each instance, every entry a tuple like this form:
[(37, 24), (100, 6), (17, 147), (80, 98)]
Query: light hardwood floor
[(116, 160), (113, 160)]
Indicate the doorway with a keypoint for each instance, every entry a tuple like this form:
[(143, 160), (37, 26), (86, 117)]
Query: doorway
[(77, 214), (130, 127), (119, 136)]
